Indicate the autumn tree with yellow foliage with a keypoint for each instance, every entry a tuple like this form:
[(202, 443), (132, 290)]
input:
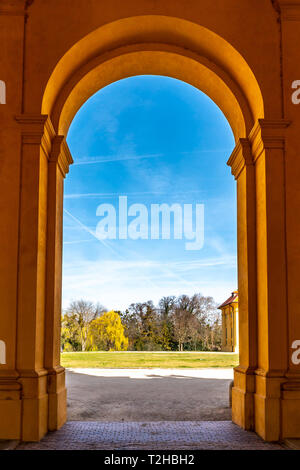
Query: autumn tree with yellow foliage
[(107, 333)]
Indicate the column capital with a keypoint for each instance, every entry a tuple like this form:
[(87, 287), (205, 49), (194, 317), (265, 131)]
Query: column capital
[(289, 9), (267, 134), (36, 129), (240, 157), (13, 8), (60, 154)]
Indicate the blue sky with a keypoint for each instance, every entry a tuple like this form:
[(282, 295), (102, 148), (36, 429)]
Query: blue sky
[(155, 140)]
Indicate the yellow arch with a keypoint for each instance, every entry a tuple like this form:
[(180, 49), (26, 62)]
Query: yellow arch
[(156, 45)]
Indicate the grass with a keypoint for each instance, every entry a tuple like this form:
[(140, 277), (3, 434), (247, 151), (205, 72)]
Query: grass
[(143, 360)]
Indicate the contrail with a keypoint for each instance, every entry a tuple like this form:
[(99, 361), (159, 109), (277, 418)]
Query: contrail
[(84, 227)]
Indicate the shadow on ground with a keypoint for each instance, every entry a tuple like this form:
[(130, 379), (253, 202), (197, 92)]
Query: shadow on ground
[(154, 398)]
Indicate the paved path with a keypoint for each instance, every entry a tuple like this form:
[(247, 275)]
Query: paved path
[(215, 435), (148, 394)]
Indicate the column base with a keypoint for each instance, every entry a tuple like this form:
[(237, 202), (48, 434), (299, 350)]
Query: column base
[(268, 403), (57, 399), (242, 398), (32, 404), (290, 409), (277, 407), (10, 409)]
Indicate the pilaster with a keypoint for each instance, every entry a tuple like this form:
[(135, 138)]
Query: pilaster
[(273, 400), (36, 134), (59, 161), (242, 167)]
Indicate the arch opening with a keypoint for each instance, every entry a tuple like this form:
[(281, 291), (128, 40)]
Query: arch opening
[(98, 139)]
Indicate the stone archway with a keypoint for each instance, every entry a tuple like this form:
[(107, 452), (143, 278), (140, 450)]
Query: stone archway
[(213, 56)]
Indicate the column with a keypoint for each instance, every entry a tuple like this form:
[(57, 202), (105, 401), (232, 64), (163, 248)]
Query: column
[(223, 330), (236, 326), (268, 149), (290, 389), (12, 17), (242, 166), (36, 135), (59, 161)]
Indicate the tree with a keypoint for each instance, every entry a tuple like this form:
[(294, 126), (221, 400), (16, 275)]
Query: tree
[(186, 324), (209, 320), (166, 307), (107, 333), (80, 314), (70, 335), (150, 327), (182, 321), (142, 326), (129, 321)]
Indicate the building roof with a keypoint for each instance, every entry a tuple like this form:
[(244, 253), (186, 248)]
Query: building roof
[(232, 299)]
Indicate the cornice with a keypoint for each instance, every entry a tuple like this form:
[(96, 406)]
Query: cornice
[(290, 10), (13, 7), (36, 129), (267, 134), (60, 154), (240, 157)]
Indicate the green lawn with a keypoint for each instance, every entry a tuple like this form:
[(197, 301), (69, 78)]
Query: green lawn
[(141, 360)]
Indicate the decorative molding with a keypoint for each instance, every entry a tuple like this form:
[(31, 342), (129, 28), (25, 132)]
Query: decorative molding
[(60, 154), (36, 129), (8, 384), (32, 373), (57, 370), (293, 374), (291, 386), (13, 7), (290, 10), (267, 134), (271, 374), (248, 370), (240, 157), (8, 374)]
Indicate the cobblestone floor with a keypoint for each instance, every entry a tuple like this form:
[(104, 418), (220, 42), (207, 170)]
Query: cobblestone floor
[(164, 435)]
